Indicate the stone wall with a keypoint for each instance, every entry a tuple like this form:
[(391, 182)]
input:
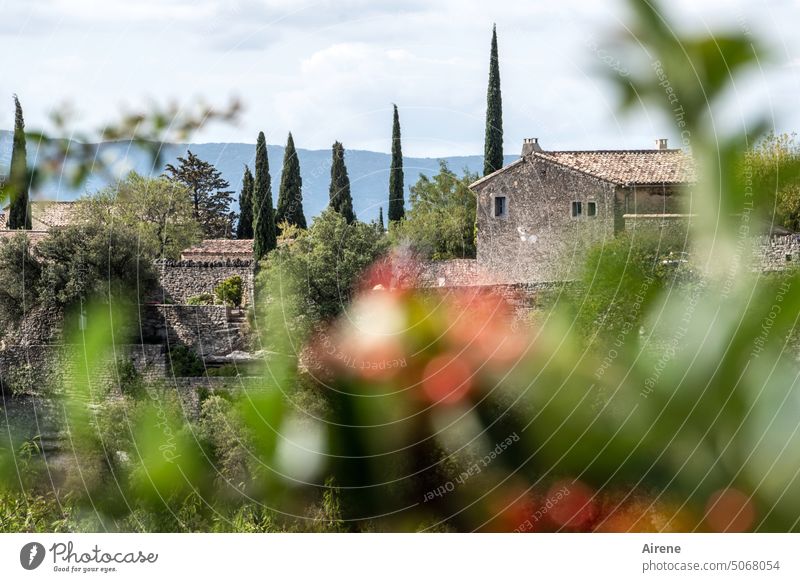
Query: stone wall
[(180, 280), (776, 252), (667, 227), (450, 273), (539, 240), (37, 369), (206, 329)]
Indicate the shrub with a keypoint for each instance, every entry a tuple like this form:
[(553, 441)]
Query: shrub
[(224, 371), (131, 382), (202, 299), (230, 291), (185, 362)]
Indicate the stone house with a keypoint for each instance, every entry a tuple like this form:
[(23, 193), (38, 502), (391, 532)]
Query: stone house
[(538, 216)]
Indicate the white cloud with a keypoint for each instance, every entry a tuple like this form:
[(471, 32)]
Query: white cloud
[(330, 69)]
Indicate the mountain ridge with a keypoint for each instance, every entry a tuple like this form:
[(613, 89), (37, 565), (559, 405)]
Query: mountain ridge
[(368, 170)]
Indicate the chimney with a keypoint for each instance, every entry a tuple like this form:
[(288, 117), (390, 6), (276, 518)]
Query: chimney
[(530, 145), (661, 144)]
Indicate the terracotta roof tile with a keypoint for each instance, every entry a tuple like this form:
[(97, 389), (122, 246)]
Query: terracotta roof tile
[(45, 214), (622, 167), (628, 167), (221, 247)]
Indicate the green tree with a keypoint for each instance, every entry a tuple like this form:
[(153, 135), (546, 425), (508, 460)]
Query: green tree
[(341, 200), (381, 224), (158, 210), (209, 193), (244, 228), (325, 262), (772, 169), (290, 195), (19, 279), (264, 231), (441, 222), (396, 182), (19, 214), (83, 262), (493, 147)]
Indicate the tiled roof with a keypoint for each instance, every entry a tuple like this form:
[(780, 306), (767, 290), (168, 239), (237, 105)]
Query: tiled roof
[(221, 246), (621, 167), (628, 167), (45, 214)]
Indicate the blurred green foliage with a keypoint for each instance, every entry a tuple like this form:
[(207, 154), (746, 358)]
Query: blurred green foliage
[(661, 396)]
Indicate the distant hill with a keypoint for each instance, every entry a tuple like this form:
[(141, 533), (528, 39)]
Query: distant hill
[(369, 171)]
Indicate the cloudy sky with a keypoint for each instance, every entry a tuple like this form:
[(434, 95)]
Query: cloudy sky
[(330, 70)]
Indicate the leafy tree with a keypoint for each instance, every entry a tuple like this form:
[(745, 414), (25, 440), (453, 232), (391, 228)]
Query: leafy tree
[(493, 147), (84, 262), (19, 279), (325, 262), (341, 200), (441, 222), (19, 214), (396, 183), (244, 228), (209, 192), (290, 195), (265, 232), (158, 210), (772, 170)]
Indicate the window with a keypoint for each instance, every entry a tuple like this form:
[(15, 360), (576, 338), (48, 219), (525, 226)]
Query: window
[(577, 209), (500, 207), (591, 209)]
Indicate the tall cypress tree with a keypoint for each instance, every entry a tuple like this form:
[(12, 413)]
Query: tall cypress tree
[(19, 214), (244, 229), (493, 147), (264, 232), (381, 225), (290, 195), (341, 200), (396, 184)]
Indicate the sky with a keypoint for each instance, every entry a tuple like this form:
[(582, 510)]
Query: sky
[(330, 70)]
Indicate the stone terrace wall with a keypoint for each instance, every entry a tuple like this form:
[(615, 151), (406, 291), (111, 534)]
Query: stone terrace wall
[(450, 273), (776, 253), (674, 226), (203, 328), (47, 366), (180, 280)]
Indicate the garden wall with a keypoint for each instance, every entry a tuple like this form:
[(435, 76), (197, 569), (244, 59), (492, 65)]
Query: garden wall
[(206, 329), (180, 280)]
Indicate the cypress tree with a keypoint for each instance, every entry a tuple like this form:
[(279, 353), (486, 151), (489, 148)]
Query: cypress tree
[(264, 232), (381, 225), (244, 229), (19, 214), (290, 195), (396, 184), (341, 200), (493, 147)]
